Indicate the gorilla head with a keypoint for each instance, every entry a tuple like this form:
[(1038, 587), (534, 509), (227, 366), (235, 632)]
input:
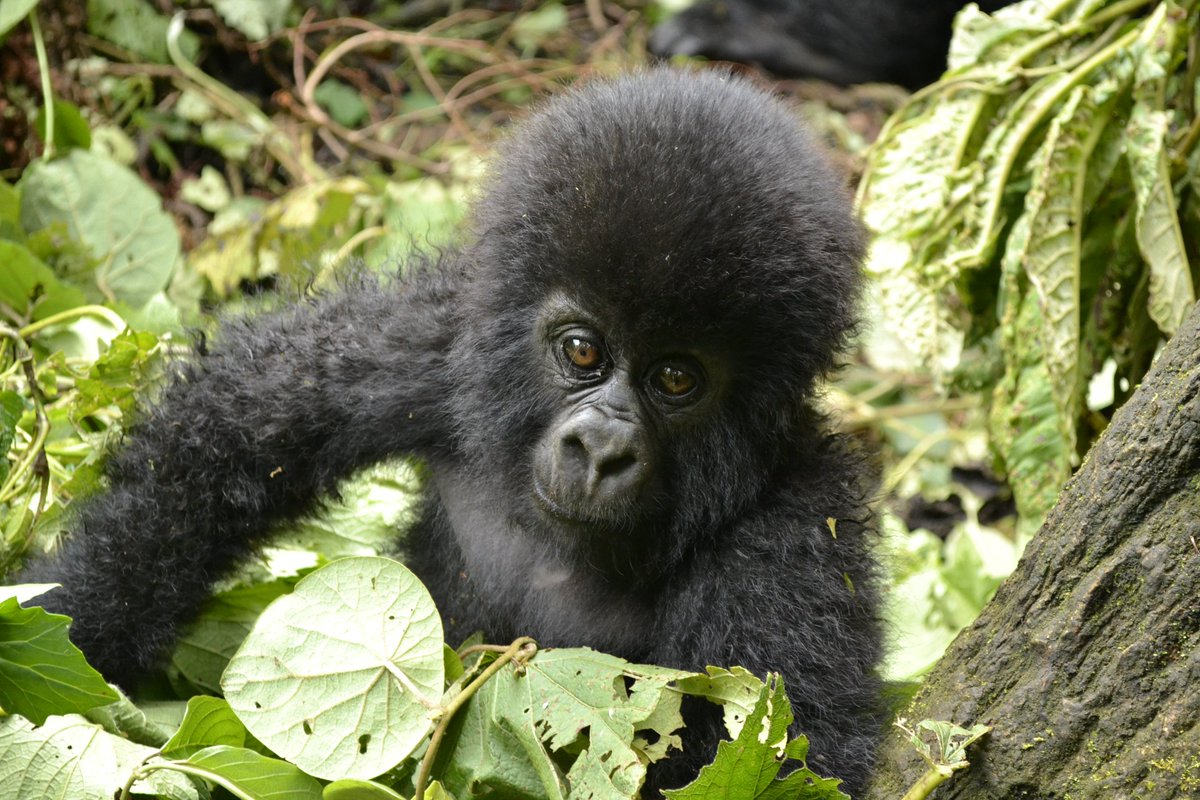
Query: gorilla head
[(662, 267), (611, 384)]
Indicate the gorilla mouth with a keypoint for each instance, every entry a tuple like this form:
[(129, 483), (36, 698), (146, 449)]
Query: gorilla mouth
[(553, 509)]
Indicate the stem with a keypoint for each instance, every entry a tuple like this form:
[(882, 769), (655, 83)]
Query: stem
[(136, 774), (1189, 141), (235, 105), (42, 425), (927, 783), (346, 250), (990, 79), (107, 314), (39, 45), (128, 787), (1037, 107), (522, 649)]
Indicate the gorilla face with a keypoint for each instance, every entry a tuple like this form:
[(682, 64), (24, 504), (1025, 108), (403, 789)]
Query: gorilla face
[(599, 466), (655, 282)]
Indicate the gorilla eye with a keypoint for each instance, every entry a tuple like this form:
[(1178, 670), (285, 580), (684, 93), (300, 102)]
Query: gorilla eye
[(582, 353), (673, 382)]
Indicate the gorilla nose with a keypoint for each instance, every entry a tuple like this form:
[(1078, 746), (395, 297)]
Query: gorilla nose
[(606, 460)]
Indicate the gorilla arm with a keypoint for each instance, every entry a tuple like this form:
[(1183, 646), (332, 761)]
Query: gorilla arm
[(246, 436), (782, 597)]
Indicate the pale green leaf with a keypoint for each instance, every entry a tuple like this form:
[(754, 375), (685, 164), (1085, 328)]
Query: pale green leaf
[(128, 721), (21, 592), (69, 757), (1053, 246), (12, 407), (204, 649), (134, 240), (736, 690), (136, 26), (341, 676), (12, 12), (906, 198), (979, 36), (570, 699), (26, 282), (1159, 235), (1024, 420), (258, 19)]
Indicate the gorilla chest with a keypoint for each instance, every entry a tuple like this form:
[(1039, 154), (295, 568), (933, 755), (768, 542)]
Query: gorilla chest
[(493, 574)]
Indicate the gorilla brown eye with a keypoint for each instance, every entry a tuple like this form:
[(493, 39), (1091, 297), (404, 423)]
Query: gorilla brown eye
[(673, 381), (583, 354)]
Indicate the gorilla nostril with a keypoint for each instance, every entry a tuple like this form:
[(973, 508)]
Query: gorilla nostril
[(574, 449), (617, 467)]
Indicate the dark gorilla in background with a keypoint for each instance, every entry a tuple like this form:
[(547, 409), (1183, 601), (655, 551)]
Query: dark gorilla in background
[(843, 41), (612, 386)]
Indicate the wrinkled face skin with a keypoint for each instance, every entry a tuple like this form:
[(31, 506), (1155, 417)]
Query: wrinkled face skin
[(598, 467)]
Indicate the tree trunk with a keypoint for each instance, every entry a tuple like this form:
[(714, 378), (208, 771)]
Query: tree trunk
[(1087, 662)]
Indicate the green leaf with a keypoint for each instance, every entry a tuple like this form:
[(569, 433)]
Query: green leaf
[(287, 236), (70, 128), (563, 701), (980, 38), (69, 757), (10, 212), (245, 774), (532, 29), (258, 19), (12, 12), (1052, 249), (136, 26), (350, 789), (736, 690), (341, 676), (209, 191), (1024, 419), (343, 102), (208, 721), (27, 282), (906, 197), (126, 720), (422, 211), (1159, 234), (134, 240), (746, 768), (24, 592), (943, 745), (117, 375), (41, 672), (208, 644), (371, 507), (12, 406)]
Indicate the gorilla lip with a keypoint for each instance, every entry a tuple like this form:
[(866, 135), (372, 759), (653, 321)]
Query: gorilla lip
[(552, 508)]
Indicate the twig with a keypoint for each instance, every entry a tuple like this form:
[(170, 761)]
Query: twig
[(521, 650)]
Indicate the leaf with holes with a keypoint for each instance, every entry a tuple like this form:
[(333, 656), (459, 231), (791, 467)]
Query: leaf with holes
[(572, 723), (341, 677)]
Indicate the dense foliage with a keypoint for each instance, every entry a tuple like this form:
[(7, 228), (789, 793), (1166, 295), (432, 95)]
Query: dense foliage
[(1035, 220), (1034, 217)]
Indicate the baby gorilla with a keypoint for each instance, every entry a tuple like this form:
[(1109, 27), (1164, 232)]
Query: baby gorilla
[(611, 383)]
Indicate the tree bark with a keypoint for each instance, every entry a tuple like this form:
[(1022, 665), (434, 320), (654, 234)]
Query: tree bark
[(1087, 662)]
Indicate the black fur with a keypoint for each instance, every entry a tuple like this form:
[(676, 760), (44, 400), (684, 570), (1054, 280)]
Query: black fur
[(843, 41), (672, 212)]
